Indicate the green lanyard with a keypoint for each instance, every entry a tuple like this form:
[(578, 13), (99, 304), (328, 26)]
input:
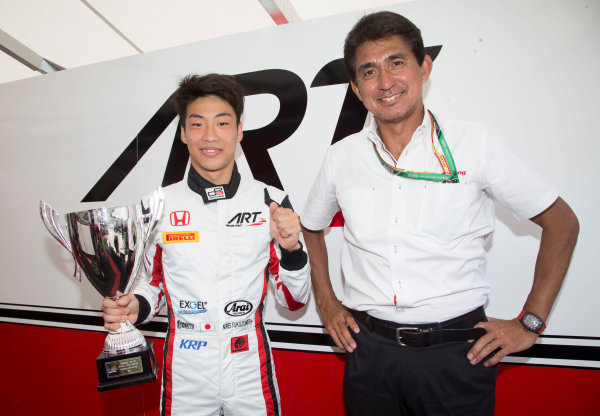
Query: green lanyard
[(450, 173)]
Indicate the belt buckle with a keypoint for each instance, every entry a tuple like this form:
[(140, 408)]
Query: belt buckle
[(404, 328)]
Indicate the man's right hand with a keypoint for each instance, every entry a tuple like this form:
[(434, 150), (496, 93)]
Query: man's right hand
[(115, 312), (337, 320)]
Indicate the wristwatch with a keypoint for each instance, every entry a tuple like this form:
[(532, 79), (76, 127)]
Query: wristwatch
[(532, 322)]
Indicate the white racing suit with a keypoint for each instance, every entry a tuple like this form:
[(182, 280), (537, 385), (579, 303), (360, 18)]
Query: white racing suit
[(213, 255)]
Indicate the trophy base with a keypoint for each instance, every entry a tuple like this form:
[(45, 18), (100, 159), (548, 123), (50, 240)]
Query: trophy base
[(116, 371)]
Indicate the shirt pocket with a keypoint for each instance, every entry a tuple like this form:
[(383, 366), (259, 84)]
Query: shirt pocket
[(365, 210), (446, 210)]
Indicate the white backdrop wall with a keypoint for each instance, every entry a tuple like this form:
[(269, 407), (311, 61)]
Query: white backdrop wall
[(528, 68)]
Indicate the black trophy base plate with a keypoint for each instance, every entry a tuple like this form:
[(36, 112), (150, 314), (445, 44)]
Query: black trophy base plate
[(116, 371)]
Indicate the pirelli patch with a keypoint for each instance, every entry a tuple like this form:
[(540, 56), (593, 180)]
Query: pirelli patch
[(180, 237)]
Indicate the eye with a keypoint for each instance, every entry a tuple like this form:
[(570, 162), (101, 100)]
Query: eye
[(368, 73), (397, 63), (223, 123)]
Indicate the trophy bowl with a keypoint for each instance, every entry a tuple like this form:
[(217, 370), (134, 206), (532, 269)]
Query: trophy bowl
[(108, 245)]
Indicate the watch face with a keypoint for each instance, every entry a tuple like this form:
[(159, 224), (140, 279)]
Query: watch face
[(532, 322)]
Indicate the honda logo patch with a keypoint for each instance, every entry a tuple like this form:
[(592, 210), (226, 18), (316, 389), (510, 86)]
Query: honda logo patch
[(179, 218)]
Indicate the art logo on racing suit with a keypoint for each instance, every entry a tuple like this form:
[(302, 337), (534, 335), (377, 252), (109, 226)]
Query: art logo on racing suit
[(238, 324), (246, 218), (215, 193), (181, 237), (239, 344), (192, 344), (238, 308), (191, 307), (179, 218)]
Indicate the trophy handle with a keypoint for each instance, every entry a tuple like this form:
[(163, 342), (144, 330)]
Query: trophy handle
[(50, 217), (150, 214)]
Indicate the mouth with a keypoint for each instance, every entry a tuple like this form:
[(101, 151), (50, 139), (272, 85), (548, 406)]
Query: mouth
[(210, 151), (392, 98)]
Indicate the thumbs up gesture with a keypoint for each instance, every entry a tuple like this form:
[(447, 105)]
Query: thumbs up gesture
[(285, 227)]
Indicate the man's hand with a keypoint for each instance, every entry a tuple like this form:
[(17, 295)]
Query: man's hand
[(337, 319), (285, 227), (115, 312), (508, 335)]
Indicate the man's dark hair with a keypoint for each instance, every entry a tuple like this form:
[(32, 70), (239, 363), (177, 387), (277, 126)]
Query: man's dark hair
[(192, 87), (377, 26)]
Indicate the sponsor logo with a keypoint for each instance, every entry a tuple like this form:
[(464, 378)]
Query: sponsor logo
[(239, 344), (207, 326), (191, 344), (215, 193), (238, 308), (198, 326), (238, 324), (181, 237), (246, 218), (191, 307), (462, 172), (185, 325), (179, 218)]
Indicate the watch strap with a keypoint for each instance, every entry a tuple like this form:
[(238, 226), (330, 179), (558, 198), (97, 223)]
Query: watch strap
[(531, 322)]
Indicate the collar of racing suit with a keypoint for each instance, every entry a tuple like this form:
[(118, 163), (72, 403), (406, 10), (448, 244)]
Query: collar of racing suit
[(211, 192)]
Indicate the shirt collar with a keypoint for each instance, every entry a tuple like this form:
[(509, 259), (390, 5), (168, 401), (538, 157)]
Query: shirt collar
[(419, 137), (211, 192)]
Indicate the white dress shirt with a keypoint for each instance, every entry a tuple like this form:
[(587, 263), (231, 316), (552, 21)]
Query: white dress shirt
[(414, 250)]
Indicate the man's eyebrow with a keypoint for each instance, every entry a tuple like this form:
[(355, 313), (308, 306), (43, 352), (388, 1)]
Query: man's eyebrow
[(393, 56), (225, 114), (365, 66)]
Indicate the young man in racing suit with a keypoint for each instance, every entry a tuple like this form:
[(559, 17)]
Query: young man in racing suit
[(221, 238)]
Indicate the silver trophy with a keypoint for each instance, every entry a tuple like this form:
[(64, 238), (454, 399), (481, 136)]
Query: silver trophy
[(108, 244)]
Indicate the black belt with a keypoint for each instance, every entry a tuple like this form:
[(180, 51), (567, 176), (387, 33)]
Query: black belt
[(423, 335)]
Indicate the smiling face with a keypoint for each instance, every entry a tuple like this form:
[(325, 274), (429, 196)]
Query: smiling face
[(389, 79), (211, 132)]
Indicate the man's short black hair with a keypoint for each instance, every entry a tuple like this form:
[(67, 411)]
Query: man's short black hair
[(193, 86), (377, 26)]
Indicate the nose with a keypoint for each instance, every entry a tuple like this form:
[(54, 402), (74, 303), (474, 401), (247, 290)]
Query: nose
[(385, 80), (210, 133)]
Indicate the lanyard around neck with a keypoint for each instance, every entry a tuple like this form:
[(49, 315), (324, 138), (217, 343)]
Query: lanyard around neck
[(446, 161)]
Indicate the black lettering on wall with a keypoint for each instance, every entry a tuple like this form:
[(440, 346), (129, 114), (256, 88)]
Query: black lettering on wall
[(291, 92), (132, 154), (292, 95), (352, 114)]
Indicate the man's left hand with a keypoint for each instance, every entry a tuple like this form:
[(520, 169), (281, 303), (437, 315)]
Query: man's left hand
[(285, 227), (506, 336)]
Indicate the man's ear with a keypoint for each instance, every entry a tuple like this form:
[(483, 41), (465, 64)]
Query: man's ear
[(240, 132), (426, 68), (183, 138), (355, 89)]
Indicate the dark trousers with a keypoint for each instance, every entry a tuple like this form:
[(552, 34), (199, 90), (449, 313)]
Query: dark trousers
[(382, 378)]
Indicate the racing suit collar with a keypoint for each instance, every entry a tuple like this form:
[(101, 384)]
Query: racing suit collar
[(211, 192)]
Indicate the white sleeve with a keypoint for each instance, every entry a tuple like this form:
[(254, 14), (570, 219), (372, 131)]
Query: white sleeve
[(289, 273), (513, 183), (321, 204)]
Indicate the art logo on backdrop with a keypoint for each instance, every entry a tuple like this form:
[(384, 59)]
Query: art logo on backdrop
[(291, 92)]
